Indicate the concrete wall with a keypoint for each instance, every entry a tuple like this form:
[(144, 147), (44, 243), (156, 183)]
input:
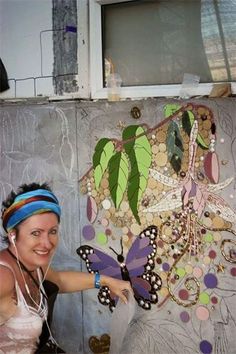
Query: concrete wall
[(55, 142)]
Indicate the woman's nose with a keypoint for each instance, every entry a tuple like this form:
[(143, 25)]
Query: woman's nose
[(46, 242)]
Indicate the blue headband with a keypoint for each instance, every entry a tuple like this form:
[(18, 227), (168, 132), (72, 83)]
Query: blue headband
[(28, 204)]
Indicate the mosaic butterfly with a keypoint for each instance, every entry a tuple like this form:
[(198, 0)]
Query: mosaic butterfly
[(137, 268)]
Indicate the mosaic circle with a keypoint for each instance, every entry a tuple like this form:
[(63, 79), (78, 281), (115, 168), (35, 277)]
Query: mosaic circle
[(160, 251), (106, 204), (180, 272), (208, 237), (165, 267), (188, 269), (206, 260), (183, 294), (184, 316), (210, 280), (88, 232), (125, 238), (135, 229), (214, 300), (124, 206), (217, 236), (163, 275), (205, 347), (212, 254), (202, 313), (233, 272), (197, 272), (160, 243), (105, 222), (108, 232), (204, 298), (101, 238), (164, 292)]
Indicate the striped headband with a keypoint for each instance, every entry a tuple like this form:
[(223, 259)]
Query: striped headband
[(30, 203)]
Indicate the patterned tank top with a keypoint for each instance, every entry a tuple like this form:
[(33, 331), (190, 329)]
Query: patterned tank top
[(20, 333)]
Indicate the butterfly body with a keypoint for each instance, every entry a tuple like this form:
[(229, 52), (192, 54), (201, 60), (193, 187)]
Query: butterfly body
[(137, 268)]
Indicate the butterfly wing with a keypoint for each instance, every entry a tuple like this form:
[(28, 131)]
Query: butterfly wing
[(99, 262), (140, 262)]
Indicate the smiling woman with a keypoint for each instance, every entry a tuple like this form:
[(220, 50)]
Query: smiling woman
[(29, 285)]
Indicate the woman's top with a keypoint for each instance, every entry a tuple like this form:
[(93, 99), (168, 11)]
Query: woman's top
[(20, 333)]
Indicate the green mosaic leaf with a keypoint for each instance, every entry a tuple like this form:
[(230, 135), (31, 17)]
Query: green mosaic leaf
[(136, 186), (118, 176), (104, 150), (170, 109), (187, 123), (176, 162), (201, 142), (139, 146), (139, 153), (174, 146)]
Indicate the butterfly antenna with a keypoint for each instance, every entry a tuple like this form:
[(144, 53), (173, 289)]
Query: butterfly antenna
[(121, 246), (113, 250)]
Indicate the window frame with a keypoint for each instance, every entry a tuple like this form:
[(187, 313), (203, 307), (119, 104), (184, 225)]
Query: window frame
[(97, 91)]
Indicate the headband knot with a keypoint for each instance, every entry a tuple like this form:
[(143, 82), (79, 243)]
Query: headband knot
[(30, 203)]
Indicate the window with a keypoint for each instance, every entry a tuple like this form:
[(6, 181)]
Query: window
[(153, 43)]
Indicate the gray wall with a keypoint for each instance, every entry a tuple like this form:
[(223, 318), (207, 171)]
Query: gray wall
[(54, 142)]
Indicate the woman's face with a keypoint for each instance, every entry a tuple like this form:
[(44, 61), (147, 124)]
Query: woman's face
[(36, 240)]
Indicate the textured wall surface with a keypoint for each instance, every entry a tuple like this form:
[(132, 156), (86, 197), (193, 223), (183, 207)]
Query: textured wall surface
[(55, 142), (64, 23)]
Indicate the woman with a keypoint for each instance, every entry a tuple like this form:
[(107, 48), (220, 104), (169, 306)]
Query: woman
[(31, 219)]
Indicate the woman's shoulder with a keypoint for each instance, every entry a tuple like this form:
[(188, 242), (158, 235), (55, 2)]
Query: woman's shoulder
[(6, 275), (7, 279), (6, 259), (4, 256), (7, 290)]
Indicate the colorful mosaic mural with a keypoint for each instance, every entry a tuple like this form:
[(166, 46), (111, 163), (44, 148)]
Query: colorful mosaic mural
[(162, 184)]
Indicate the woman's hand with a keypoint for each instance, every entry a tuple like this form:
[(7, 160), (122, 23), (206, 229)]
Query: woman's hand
[(118, 287)]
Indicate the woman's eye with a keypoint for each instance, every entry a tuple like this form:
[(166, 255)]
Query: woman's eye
[(54, 232), (36, 233)]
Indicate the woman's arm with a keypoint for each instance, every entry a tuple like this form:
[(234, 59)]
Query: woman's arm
[(72, 281)]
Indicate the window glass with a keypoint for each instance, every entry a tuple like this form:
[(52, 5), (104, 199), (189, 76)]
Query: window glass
[(155, 42)]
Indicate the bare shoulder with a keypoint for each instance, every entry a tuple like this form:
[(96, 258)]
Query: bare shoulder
[(7, 290), (7, 277), (7, 281)]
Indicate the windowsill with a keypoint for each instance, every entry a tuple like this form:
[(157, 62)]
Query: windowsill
[(131, 93), (136, 92)]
